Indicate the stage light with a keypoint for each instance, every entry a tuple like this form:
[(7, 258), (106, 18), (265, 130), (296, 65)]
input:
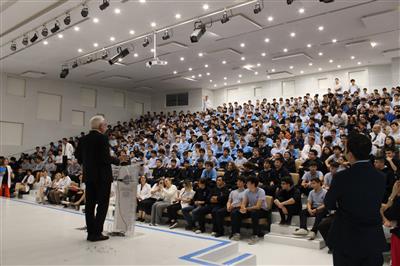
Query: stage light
[(55, 28), (104, 5), (84, 11), (166, 35), (225, 18), (257, 8), (120, 54), (34, 37), (146, 42), (75, 64), (25, 40), (67, 19), (45, 31), (13, 46), (64, 72), (199, 30)]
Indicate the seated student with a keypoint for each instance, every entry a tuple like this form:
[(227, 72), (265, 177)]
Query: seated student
[(315, 208), (158, 171), (196, 172), (168, 196), (288, 200), (305, 186), (44, 184), (25, 185), (333, 167), (279, 171), (269, 181), (312, 157), (392, 162), (59, 193), (231, 174), (337, 152), (240, 160), (217, 198), (172, 172), (225, 158), (289, 164), (209, 172), (143, 193), (234, 202), (248, 170), (199, 201), (379, 164), (146, 205), (253, 205), (183, 200), (75, 193)]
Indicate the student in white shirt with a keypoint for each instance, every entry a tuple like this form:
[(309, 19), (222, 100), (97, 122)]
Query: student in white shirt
[(183, 200), (44, 183), (338, 87), (168, 196), (353, 87), (377, 138), (26, 184), (143, 192)]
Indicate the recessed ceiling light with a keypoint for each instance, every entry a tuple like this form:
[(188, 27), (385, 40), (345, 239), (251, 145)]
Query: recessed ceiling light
[(302, 72), (200, 54), (358, 63), (95, 20), (334, 40), (95, 44), (240, 75), (193, 76), (301, 10), (225, 78), (142, 1), (112, 38), (120, 59), (291, 67), (211, 80), (206, 6), (190, 69), (339, 66), (117, 11), (321, 28), (151, 50), (238, 81), (256, 73), (273, 70), (263, 54), (60, 36), (310, 64), (309, 45), (135, 55), (373, 44), (319, 69), (293, 34), (199, 75), (266, 40), (208, 73), (178, 16), (215, 85), (285, 50), (258, 64), (352, 57), (268, 77), (242, 45), (224, 62), (76, 28), (153, 24), (45, 42), (225, 83), (320, 53), (80, 50), (182, 59), (205, 65), (131, 32), (243, 58), (270, 18), (330, 60)]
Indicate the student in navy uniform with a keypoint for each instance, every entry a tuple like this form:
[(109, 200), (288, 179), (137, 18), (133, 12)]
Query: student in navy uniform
[(356, 235)]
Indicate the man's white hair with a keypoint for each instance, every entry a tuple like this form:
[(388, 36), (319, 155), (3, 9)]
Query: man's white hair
[(96, 121)]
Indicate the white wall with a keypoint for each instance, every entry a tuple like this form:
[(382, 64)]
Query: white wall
[(377, 77), (24, 110), (158, 101)]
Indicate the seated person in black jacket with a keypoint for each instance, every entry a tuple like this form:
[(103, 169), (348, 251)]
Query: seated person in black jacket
[(196, 172), (279, 170), (268, 181), (288, 200), (199, 201), (379, 164), (248, 170), (231, 174), (312, 157), (185, 173), (158, 172), (216, 200), (173, 173), (256, 159)]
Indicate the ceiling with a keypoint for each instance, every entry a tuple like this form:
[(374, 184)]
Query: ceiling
[(225, 48)]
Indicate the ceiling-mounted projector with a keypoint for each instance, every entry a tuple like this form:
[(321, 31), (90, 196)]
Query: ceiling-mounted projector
[(156, 62)]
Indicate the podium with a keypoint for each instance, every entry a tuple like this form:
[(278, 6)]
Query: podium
[(126, 178)]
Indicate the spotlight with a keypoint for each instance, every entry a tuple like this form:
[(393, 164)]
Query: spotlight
[(55, 28), (45, 31), (75, 64), (25, 40), (13, 46), (257, 8), (166, 35), (34, 37), (225, 18), (199, 30), (85, 11), (289, 2), (67, 19), (146, 42), (121, 54), (327, 1), (104, 5), (64, 72)]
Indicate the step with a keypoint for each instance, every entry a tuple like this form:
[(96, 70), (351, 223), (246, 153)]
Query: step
[(227, 255), (293, 241), (276, 218), (287, 230)]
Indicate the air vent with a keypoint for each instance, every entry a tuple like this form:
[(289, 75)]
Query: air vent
[(117, 78), (33, 74)]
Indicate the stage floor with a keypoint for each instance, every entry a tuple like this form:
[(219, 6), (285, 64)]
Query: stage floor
[(34, 234)]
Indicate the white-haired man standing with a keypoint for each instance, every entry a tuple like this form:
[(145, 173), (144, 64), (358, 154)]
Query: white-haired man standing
[(93, 153)]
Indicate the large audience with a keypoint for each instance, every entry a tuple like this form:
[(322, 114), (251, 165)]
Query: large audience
[(228, 161)]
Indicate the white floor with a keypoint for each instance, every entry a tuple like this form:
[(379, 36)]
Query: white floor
[(33, 234)]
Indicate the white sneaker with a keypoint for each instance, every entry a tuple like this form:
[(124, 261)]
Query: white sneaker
[(300, 232), (311, 235), (198, 231), (213, 233), (253, 240), (174, 225)]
